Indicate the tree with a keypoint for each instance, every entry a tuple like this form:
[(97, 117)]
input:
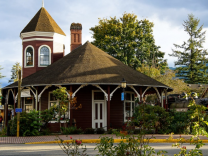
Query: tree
[(129, 40), (191, 64), (15, 69), (1, 76), (64, 103), (168, 78)]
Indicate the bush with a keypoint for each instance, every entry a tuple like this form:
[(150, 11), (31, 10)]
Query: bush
[(89, 131), (100, 131), (29, 124), (71, 130), (152, 119)]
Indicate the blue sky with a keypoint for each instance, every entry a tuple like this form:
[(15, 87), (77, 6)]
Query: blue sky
[(167, 16)]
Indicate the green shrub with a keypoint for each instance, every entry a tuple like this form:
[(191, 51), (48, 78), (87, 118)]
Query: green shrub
[(89, 131), (100, 131), (3, 132), (45, 131), (29, 124), (152, 119), (71, 130)]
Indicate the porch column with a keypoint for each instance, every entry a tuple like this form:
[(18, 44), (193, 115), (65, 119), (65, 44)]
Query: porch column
[(140, 92), (14, 103), (6, 114), (71, 111), (162, 99), (108, 109)]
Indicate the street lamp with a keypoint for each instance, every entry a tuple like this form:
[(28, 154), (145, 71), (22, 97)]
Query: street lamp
[(123, 85)]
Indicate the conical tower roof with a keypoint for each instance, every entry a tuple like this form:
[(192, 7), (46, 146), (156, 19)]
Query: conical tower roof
[(43, 22), (88, 64)]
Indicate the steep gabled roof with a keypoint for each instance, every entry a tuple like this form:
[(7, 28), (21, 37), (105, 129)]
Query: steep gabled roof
[(43, 21), (88, 64)]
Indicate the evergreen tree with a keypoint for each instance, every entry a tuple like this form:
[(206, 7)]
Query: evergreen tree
[(15, 69), (129, 40), (191, 64)]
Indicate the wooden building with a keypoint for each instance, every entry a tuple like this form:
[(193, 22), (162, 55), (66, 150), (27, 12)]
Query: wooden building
[(91, 74)]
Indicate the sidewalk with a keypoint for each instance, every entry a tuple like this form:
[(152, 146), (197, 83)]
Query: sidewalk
[(87, 138)]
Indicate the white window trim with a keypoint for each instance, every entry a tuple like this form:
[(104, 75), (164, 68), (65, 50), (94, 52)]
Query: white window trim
[(28, 104), (39, 55), (131, 101), (62, 121), (93, 109), (25, 57)]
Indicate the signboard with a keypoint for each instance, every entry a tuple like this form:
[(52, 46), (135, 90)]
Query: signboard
[(122, 96), (18, 110), (25, 93)]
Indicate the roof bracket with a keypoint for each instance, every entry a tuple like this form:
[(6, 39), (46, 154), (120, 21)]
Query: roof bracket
[(73, 95), (39, 96), (111, 94), (106, 95), (138, 95)]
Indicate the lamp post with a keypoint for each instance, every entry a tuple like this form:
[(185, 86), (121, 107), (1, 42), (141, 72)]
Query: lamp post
[(123, 85)]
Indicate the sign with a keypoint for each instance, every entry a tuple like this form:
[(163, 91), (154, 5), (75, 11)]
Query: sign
[(18, 110), (122, 96), (25, 93)]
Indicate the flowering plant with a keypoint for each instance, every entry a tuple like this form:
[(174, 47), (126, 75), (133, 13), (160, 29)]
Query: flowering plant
[(72, 147)]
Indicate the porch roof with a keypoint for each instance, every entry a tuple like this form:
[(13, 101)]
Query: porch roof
[(88, 64)]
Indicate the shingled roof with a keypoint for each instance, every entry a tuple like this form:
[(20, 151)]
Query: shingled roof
[(88, 64), (43, 21)]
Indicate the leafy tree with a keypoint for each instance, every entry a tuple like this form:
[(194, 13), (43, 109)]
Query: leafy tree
[(64, 101), (168, 78), (191, 64), (1, 76), (129, 40), (15, 69)]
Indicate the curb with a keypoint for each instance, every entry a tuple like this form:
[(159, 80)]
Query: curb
[(118, 141)]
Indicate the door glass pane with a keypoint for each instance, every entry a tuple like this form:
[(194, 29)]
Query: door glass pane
[(28, 100), (96, 111), (127, 109), (101, 111)]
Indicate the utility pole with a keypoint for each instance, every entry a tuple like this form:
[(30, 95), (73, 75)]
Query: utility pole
[(18, 105)]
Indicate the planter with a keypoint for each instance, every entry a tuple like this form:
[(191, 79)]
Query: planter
[(124, 132)]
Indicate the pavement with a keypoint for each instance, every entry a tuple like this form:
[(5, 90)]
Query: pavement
[(54, 149), (91, 138)]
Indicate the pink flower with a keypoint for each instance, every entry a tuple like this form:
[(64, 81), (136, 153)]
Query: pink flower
[(78, 142)]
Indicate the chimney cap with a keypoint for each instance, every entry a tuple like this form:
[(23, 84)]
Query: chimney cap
[(76, 26)]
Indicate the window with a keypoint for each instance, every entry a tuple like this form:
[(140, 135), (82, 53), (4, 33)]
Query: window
[(129, 106), (29, 56), (53, 101), (78, 37), (44, 56), (28, 104), (74, 37)]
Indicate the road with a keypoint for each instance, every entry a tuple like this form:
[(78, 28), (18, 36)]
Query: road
[(54, 149)]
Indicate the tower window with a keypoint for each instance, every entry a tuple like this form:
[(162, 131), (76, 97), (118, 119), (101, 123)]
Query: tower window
[(44, 56), (29, 56), (74, 37), (78, 38)]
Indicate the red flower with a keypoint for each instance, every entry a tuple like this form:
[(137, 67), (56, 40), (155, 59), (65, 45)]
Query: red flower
[(180, 136), (78, 142), (127, 153), (70, 137), (184, 147), (67, 143)]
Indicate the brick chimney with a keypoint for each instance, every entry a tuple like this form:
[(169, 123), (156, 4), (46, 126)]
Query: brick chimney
[(76, 35)]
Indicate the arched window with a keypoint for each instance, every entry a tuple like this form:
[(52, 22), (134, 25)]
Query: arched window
[(29, 56), (44, 56)]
